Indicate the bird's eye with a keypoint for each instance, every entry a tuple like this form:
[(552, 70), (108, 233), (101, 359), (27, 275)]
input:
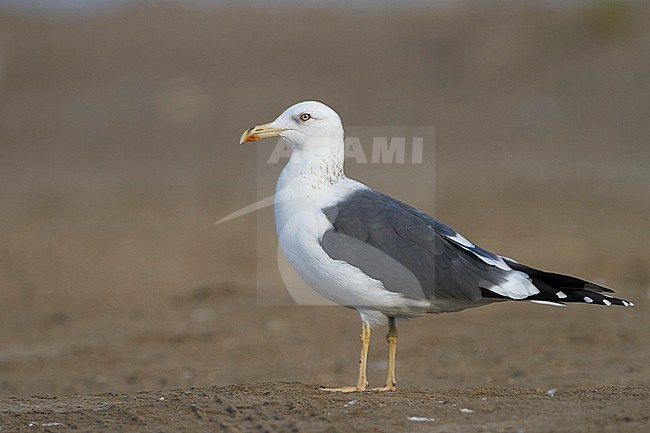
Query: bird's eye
[(305, 117)]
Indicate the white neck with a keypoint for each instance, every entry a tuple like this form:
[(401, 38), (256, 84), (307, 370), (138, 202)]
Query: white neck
[(309, 178), (315, 167)]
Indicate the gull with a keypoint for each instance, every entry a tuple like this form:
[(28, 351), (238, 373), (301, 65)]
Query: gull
[(370, 252)]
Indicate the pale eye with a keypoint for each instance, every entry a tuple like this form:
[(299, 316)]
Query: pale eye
[(305, 117)]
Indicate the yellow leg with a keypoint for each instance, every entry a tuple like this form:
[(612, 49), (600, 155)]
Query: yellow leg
[(362, 382), (391, 337)]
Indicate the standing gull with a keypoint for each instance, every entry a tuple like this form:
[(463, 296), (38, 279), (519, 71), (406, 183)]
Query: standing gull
[(388, 260)]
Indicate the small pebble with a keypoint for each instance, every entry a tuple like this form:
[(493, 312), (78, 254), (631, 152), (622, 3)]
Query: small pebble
[(420, 419)]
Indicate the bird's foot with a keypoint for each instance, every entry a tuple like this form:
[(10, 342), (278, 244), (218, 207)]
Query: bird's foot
[(387, 387), (356, 388)]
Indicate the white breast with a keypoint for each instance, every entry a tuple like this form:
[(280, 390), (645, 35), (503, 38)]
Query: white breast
[(300, 224)]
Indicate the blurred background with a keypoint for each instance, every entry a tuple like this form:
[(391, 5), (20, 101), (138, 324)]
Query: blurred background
[(119, 128)]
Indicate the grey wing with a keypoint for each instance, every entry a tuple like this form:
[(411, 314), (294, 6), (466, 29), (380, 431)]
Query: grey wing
[(407, 250)]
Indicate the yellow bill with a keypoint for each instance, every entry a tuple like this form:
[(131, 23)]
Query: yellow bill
[(259, 132)]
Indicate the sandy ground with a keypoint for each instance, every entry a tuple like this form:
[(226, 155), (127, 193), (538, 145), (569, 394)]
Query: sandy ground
[(119, 152), (295, 407)]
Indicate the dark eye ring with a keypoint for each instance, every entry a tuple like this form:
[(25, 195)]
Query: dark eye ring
[(305, 117)]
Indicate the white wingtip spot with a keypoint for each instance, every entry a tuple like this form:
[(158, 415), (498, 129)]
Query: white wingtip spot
[(625, 303), (588, 300), (561, 294), (606, 302)]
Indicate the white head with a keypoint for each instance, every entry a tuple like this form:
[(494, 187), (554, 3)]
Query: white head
[(304, 126)]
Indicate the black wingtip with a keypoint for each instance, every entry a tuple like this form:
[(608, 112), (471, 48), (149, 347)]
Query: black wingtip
[(558, 288), (596, 298)]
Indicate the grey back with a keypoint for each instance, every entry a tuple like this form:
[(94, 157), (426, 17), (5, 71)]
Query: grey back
[(407, 250)]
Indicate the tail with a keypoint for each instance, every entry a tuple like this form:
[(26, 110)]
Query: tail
[(557, 288)]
